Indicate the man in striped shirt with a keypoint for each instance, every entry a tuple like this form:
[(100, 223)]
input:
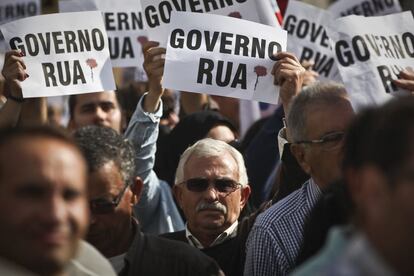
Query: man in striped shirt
[(316, 122)]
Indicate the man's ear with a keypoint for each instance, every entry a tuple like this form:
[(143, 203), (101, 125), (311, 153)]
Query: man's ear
[(300, 154), (178, 194), (245, 194), (136, 187)]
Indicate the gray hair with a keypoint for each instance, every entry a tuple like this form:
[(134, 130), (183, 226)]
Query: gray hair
[(326, 93), (101, 145), (211, 148)]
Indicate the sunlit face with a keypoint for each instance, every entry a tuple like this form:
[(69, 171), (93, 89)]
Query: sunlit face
[(107, 229), (324, 164), (210, 220), (99, 108), (43, 206)]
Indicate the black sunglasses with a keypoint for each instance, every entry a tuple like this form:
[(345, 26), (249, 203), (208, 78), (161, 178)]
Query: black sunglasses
[(221, 185), (105, 206)]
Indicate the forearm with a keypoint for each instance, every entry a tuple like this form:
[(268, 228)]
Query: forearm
[(9, 113), (33, 112)]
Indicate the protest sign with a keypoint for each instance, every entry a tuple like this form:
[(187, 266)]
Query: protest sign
[(16, 9), (156, 13), (364, 7), (308, 40), (124, 26), (369, 57), (223, 56), (70, 56)]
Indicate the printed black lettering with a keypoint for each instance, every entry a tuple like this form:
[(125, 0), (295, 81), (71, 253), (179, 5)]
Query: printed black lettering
[(240, 78), (175, 41), (386, 78), (242, 43), (211, 41), (194, 39), (16, 43), (273, 49), (358, 41), (343, 53), (109, 20), (205, 67), (408, 40), (70, 38), (227, 76), (32, 45), (225, 41), (49, 74), (151, 16), (57, 42), (258, 47)]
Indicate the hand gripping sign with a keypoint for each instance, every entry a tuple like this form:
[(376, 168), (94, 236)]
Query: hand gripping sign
[(221, 55), (70, 56)]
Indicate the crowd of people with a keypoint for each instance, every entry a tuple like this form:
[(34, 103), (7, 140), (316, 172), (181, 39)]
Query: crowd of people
[(142, 182)]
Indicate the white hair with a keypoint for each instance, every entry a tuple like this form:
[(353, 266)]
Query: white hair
[(211, 148)]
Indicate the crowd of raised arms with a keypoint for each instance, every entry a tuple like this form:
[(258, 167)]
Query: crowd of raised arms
[(145, 180)]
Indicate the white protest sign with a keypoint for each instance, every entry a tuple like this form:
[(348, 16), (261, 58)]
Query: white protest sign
[(308, 40), (12, 10), (223, 56), (16, 9), (371, 52), (124, 26), (364, 7), (70, 56), (156, 13)]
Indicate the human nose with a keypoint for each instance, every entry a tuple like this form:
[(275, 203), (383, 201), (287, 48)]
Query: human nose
[(211, 193), (55, 211), (100, 114)]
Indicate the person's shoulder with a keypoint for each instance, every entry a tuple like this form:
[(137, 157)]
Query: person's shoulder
[(177, 235), (282, 209), (177, 251), (89, 261)]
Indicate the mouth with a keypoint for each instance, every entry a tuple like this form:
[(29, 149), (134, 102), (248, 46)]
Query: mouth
[(53, 239)]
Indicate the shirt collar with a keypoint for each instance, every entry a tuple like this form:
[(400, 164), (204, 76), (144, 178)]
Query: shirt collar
[(226, 235)]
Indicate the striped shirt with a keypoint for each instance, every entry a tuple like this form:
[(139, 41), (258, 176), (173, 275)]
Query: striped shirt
[(275, 239)]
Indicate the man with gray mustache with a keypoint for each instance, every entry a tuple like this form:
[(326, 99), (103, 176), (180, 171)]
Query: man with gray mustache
[(211, 187)]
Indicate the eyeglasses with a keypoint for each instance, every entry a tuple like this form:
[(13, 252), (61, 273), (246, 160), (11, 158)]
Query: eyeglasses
[(105, 206), (221, 185), (329, 141)]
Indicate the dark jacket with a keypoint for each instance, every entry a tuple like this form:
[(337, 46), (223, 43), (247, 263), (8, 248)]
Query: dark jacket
[(150, 255)]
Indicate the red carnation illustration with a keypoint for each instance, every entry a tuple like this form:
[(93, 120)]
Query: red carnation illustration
[(260, 72), (92, 64), (235, 14), (142, 40)]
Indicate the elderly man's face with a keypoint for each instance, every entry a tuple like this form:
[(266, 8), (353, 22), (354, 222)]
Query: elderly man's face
[(99, 108), (323, 161), (43, 206), (211, 220)]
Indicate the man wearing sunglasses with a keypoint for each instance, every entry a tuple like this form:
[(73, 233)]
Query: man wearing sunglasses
[(113, 191), (316, 122), (211, 187)]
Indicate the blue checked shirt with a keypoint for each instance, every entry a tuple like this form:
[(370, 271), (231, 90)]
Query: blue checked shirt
[(275, 239)]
